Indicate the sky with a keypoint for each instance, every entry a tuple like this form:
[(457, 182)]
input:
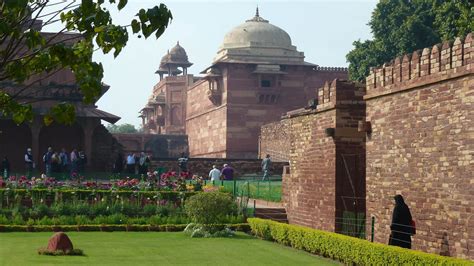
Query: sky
[(323, 30)]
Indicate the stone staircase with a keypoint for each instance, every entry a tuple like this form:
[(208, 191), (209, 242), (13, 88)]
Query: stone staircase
[(274, 214)]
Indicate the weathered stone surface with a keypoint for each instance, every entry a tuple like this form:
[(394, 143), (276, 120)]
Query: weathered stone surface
[(422, 147), (59, 241)]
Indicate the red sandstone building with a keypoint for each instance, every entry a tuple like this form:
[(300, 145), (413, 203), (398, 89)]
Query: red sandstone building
[(256, 76), (86, 134)]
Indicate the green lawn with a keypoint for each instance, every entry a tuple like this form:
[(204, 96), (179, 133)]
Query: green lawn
[(147, 248)]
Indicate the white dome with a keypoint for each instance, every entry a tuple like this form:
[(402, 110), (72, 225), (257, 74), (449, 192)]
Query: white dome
[(257, 32), (258, 41)]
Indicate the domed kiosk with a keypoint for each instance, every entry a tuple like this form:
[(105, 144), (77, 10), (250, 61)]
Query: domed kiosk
[(257, 40)]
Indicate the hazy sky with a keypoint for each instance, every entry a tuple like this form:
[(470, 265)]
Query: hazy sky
[(323, 30)]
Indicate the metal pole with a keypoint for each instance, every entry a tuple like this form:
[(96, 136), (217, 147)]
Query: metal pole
[(372, 229), (254, 207), (233, 189)]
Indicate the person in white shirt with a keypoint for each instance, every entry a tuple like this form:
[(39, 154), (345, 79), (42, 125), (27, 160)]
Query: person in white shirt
[(214, 174)]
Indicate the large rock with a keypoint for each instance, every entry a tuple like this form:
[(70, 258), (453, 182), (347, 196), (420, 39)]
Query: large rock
[(59, 241)]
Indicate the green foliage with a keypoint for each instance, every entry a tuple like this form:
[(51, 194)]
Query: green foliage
[(47, 54), (112, 227), (400, 27), (74, 252), (206, 208), (348, 250), (123, 128), (210, 230)]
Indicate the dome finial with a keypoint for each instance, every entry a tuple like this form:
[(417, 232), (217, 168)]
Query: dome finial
[(256, 13), (177, 43)]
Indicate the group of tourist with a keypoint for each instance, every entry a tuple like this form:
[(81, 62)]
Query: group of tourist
[(227, 173), (57, 161), (134, 164)]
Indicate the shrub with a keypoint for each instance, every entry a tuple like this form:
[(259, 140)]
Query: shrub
[(206, 208), (349, 250), (74, 252)]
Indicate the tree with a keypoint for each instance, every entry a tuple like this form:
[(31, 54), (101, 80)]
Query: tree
[(123, 128), (403, 26), (27, 56)]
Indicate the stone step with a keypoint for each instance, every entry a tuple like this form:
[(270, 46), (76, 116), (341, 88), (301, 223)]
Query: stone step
[(274, 214)]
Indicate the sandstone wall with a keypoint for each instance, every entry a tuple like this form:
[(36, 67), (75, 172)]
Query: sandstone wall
[(421, 112), (206, 123), (275, 140), (202, 166), (157, 145), (327, 162)]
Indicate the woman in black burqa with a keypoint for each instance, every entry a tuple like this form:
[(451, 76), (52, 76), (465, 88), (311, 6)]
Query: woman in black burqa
[(401, 226)]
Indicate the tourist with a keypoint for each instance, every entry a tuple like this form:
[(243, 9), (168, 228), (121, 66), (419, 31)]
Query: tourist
[(74, 160), (55, 162), (183, 163), (228, 172), (29, 163), (137, 164), (130, 163), (266, 165), (401, 227), (214, 174), (5, 167), (64, 160), (143, 165), (118, 165), (82, 161), (47, 160)]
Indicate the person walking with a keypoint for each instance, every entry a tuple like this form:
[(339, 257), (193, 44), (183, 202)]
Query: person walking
[(183, 163), (266, 165), (130, 163), (47, 159), (214, 174), (118, 165), (228, 172), (29, 163), (64, 160), (401, 227), (74, 161), (5, 167), (143, 166), (82, 161)]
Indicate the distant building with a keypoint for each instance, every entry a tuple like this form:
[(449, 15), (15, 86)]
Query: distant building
[(256, 76)]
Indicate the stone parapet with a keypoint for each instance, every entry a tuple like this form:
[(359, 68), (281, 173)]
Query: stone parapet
[(443, 61)]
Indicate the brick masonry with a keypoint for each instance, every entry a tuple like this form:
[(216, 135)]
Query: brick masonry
[(323, 165), (202, 166), (421, 112)]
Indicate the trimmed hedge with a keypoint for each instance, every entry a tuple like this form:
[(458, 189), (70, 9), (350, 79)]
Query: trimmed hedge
[(112, 228), (349, 250)]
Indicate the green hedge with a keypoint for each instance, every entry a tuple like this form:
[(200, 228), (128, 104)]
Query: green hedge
[(349, 250), (111, 228)]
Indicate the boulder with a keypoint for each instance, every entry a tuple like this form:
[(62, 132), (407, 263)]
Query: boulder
[(59, 241)]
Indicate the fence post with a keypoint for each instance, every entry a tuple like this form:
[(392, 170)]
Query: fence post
[(233, 188), (372, 229), (254, 207), (258, 189)]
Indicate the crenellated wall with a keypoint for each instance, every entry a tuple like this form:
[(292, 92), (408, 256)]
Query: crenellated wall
[(443, 61), (421, 111)]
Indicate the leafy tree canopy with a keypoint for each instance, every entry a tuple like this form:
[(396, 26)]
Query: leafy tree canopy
[(123, 128), (403, 26), (27, 53)]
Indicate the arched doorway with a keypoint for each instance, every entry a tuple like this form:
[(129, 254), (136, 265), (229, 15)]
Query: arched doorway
[(59, 137), (14, 140)]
